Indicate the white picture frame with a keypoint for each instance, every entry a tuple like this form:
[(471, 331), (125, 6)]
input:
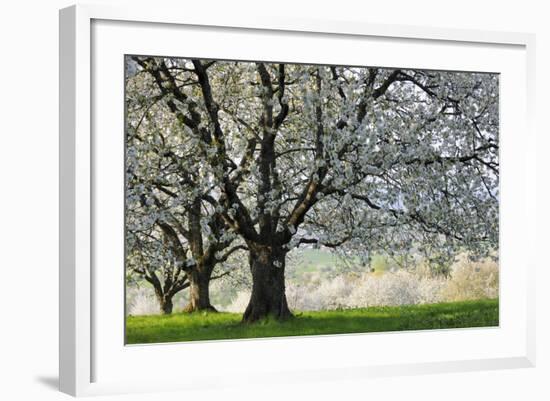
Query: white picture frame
[(83, 344)]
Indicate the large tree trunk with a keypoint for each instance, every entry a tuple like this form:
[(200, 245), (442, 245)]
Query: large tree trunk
[(268, 298), (199, 291)]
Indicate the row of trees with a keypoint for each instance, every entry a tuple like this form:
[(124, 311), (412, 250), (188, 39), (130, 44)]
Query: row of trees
[(227, 158)]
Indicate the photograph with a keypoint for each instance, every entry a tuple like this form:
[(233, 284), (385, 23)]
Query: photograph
[(275, 199)]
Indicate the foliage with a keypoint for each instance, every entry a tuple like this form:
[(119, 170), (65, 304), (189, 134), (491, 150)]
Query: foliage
[(215, 326), (468, 280), (472, 280), (399, 288), (317, 281), (142, 300), (225, 156)]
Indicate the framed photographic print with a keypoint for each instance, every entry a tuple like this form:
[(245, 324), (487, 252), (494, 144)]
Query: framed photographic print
[(293, 199)]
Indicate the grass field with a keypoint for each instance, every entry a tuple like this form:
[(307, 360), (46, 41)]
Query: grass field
[(216, 326)]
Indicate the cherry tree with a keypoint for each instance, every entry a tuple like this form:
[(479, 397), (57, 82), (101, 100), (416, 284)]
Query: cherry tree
[(170, 226), (428, 181), (151, 258), (367, 157)]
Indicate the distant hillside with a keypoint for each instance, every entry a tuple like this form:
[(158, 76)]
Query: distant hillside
[(323, 261)]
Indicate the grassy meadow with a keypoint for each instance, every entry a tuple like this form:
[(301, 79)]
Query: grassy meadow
[(217, 326)]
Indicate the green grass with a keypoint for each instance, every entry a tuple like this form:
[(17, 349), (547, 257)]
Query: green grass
[(216, 326)]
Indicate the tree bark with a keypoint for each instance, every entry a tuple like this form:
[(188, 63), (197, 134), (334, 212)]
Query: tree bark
[(165, 302), (199, 290), (268, 298)]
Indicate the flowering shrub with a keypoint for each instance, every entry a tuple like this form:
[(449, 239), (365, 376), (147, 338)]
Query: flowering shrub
[(239, 303), (142, 301), (472, 280), (467, 281), (400, 288), (313, 296)]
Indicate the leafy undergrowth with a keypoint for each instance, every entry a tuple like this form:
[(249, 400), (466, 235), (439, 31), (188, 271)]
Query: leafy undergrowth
[(216, 326)]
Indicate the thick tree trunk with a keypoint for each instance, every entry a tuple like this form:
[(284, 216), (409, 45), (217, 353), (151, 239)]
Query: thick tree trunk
[(167, 306), (199, 291), (165, 302), (268, 298), (199, 277)]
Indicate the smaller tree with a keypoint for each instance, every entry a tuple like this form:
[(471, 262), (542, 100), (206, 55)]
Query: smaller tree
[(169, 193), (149, 258)]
